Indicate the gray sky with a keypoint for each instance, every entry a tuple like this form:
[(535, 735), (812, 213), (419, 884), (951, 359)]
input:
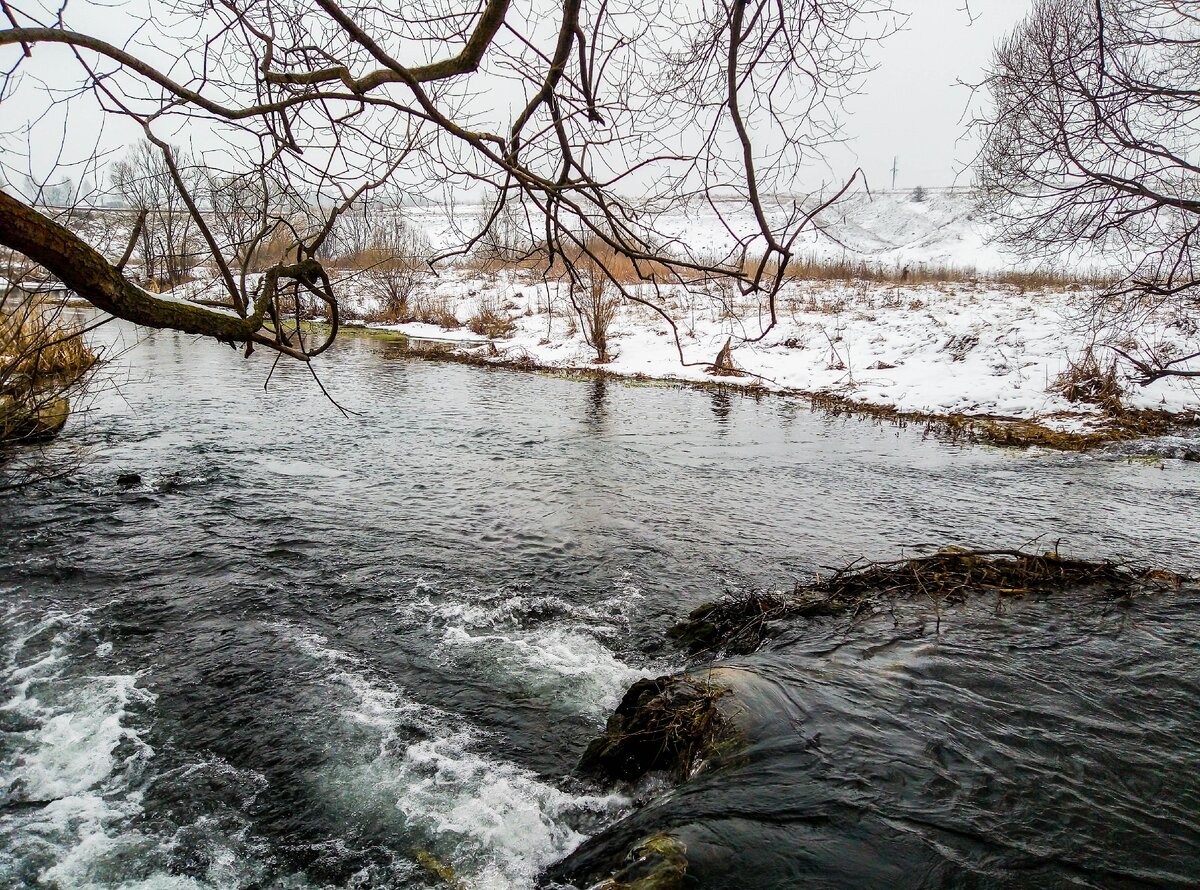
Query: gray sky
[(910, 107)]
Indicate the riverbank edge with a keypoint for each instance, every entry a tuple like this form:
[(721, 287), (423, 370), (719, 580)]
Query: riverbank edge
[(956, 428)]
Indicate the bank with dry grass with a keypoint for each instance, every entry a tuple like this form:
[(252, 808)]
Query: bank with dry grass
[(43, 358)]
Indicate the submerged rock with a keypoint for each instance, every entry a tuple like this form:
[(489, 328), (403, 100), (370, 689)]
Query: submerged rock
[(657, 863)]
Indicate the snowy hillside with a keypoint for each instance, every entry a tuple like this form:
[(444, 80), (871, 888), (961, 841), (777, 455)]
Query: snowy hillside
[(888, 229)]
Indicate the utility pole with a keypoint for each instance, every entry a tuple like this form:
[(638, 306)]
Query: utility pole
[(895, 167)]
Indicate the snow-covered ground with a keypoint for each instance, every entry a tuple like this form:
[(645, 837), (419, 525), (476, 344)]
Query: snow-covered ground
[(975, 349), (890, 230)]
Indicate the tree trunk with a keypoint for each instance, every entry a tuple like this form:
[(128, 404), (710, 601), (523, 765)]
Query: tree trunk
[(723, 365), (83, 270)]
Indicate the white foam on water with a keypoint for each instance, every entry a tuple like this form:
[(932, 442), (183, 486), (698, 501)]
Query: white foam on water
[(75, 760), (563, 659), (73, 771), (496, 608), (504, 825), (494, 823), (566, 667)]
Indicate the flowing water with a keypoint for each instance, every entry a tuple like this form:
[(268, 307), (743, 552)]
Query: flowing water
[(309, 651)]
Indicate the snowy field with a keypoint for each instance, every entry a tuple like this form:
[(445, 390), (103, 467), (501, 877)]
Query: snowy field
[(970, 346), (889, 230), (938, 349)]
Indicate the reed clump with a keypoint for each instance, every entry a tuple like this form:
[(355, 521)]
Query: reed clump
[(37, 347), (41, 361), (491, 322), (1090, 381), (847, 270)]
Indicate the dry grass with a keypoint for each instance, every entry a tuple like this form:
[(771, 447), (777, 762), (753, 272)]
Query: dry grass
[(41, 361), (1008, 432), (491, 322), (617, 267), (33, 343), (434, 310), (818, 269), (278, 247), (1089, 381)]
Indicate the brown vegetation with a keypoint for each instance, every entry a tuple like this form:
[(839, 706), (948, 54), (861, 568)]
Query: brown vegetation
[(848, 270), (950, 576), (34, 343), (671, 724), (42, 358), (491, 321), (596, 303), (434, 310), (1087, 380)]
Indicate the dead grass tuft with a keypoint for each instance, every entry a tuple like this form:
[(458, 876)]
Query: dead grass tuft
[(34, 344), (1092, 382), (434, 310), (491, 322)]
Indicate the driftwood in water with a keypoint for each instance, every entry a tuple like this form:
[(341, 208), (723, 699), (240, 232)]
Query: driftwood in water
[(949, 576)]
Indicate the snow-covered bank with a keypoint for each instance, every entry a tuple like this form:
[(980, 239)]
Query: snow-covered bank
[(948, 349)]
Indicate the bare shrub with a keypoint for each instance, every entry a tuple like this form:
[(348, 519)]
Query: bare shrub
[(1091, 381), (491, 321), (596, 303)]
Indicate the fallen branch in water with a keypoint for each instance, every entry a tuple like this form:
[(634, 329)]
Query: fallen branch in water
[(949, 576)]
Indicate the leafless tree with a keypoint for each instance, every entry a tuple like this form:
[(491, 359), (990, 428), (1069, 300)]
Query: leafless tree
[(167, 238), (240, 207), (1094, 145), (595, 117)]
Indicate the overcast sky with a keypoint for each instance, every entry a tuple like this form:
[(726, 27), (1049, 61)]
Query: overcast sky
[(911, 107)]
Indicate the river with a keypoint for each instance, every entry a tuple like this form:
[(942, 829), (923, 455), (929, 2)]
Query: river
[(311, 650)]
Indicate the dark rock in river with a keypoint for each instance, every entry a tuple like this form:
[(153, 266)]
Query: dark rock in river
[(675, 725), (129, 479)]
